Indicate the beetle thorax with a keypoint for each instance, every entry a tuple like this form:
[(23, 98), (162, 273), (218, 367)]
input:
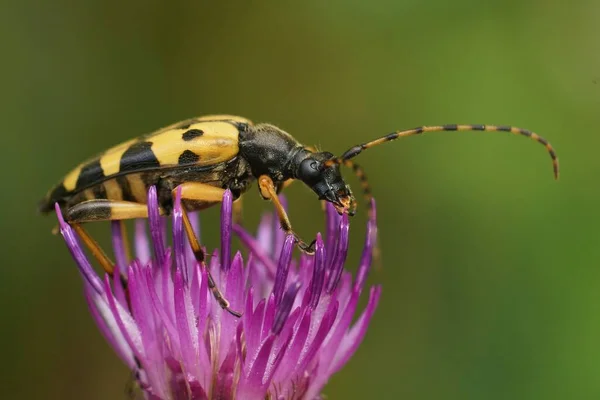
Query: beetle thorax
[(269, 151)]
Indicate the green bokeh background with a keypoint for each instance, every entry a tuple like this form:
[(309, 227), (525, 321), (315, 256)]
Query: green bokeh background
[(491, 270)]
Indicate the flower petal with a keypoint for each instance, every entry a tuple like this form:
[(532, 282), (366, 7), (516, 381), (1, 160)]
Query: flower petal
[(186, 325), (178, 236), (354, 337), (142, 246), (318, 278), (156, 225), (226, 223), (118, 242), (80, 259), (282, 268), (255, 249), (339, 259)]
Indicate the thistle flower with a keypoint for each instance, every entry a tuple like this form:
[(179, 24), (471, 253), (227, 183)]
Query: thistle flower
[(158, 313)]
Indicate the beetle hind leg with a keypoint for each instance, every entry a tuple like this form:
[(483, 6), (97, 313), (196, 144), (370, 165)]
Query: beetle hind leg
[(102, 210)]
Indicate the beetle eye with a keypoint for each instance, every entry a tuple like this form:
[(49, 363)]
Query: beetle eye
[(309, 169)]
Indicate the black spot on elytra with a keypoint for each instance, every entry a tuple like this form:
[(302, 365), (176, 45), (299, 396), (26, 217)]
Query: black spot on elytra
[(138, 157), (192, 134), (188, 157), (90, 174)]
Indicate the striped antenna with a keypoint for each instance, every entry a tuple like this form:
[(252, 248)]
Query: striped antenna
[(356, 150)]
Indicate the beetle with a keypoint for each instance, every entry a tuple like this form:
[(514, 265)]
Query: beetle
[(203, 157)]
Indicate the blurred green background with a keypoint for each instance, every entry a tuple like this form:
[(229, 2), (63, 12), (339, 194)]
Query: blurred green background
[(491, 270)]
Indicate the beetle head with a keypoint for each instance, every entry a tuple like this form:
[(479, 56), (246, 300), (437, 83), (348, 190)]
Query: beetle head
[(327, 182)]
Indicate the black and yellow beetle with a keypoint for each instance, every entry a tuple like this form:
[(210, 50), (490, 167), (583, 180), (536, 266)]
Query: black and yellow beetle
[(205, 156)]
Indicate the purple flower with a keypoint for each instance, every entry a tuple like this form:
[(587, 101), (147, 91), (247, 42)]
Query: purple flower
[(159, 314)]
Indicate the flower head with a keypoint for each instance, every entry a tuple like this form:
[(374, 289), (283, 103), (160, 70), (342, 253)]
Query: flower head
[(158, 313)]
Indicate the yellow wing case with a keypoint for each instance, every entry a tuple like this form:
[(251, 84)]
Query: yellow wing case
[(202, 141)]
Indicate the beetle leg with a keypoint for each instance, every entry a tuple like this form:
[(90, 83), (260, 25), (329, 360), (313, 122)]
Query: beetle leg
[(196, 191), (107, 265), (268, 192), (105, 210), (102, 210)]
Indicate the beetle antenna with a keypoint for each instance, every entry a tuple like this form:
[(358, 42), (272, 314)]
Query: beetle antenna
[(368, 197), (364, 182), (356, 150)]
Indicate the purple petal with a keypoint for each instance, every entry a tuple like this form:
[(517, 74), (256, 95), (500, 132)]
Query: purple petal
[(331, 234), (366, 258), (283, 268), (82, 262), (283, 311), (336, 334), (119, 283), (156, 225), (185, 324), (253, 326), (265, 234), (275, 360), (164, 272), (354, 337), (295, 350), (179, 239), (318, 277), (226, 384), (339, 259), (118, 242), (194, 218), (202, 313), (233, 292), (126, 324), (160, 310), (270, 310), (100, 312), (235, 283), (142, 246), (255, 248), (141, 306), (317, 341), (226, 222), (252, 384)]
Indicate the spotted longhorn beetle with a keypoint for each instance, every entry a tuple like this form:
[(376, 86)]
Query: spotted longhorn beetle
[(205, 156)]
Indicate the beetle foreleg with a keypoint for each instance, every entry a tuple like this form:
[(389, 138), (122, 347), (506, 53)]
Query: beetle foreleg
[(268, 192)]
